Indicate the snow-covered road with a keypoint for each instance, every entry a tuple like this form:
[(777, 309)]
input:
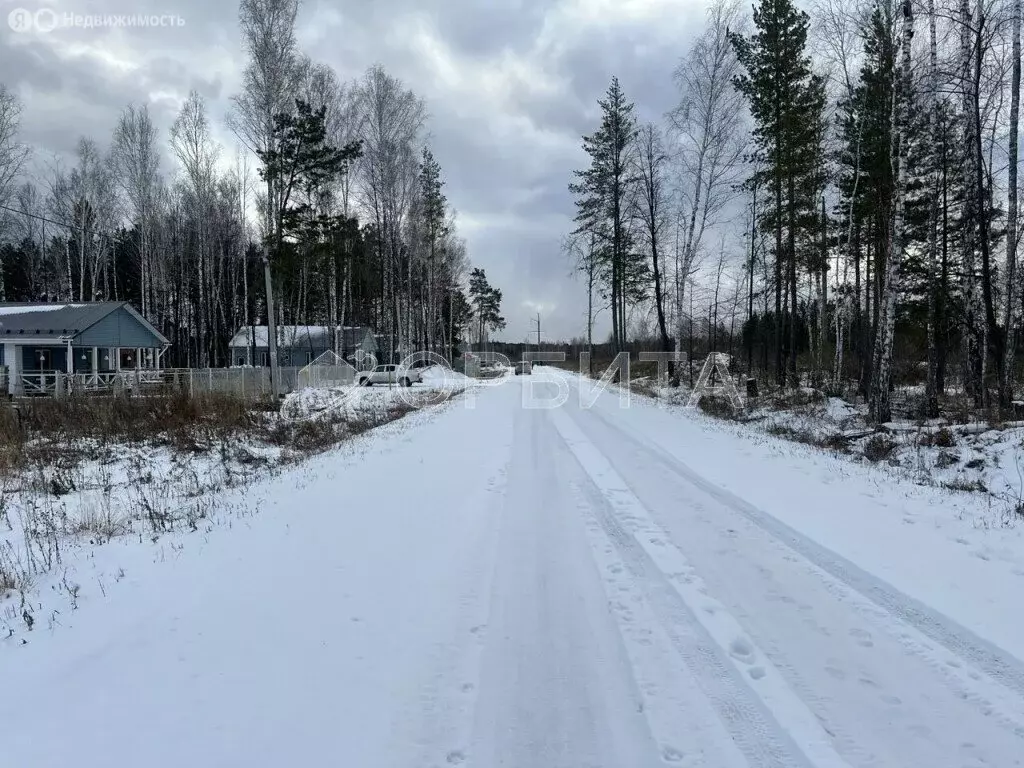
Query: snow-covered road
[(516, 586)]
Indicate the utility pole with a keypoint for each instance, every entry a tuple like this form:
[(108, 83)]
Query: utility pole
[(537, 323), (691, 334), (275, 383), (275, 374), (750, 297)]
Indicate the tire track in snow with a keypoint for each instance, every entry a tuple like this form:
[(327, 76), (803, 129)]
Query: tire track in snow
[(556, 688), (687, 728), (848, 719), (769, 724), (998, 664)]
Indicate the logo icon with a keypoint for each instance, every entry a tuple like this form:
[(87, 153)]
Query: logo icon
[(46, 20), (20, 20)]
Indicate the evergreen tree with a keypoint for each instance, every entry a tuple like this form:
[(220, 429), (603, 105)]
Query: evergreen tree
[(303, 165), (787, 101), (604, 195), (434, 231), (866, 182), (486, 303)]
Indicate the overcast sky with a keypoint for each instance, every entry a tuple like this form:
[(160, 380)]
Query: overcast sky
[(511, 85)]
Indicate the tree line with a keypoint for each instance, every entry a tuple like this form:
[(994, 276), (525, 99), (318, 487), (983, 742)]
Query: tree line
[(331, 212), (854, 169)]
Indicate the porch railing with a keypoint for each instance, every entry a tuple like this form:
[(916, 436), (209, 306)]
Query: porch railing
[(248, 383)]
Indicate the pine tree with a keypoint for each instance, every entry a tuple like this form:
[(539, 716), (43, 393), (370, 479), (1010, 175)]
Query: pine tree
[(486, 303), (866, 180), (303, 166), (787, 102), (604, 193), (435, 229)]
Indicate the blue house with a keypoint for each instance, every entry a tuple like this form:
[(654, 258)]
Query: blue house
[(98, 337)]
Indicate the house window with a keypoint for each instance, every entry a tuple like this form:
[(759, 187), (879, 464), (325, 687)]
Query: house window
[(309, 358), (264, 357), (240, 361)]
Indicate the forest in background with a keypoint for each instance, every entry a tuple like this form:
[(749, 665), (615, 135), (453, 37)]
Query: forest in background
[(837, 186), (333, 201)]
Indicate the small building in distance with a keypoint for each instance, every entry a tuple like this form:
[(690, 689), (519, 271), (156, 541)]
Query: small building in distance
[(298, 345)]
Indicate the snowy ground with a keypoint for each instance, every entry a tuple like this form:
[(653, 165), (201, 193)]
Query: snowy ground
[(88, 493), (354, 400), (490, 584), (969, 456)]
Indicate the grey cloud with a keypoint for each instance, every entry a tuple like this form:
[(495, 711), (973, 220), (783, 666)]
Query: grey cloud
[(515, 183)]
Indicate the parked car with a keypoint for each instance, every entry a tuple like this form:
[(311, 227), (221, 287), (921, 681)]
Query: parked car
[(523, 367), (388, 374)]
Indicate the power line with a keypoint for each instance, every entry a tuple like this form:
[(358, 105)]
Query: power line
[(53, 221)]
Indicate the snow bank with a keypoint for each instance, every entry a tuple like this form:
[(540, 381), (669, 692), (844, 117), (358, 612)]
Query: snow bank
[(975, 457), (350, 401)]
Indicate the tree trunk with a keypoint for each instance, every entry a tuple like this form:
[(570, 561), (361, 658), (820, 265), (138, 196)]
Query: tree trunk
[(880, 405), (794, 377), (931, 385), (268, 282), (1013, 289), (972, 365), (780, 372), (993, 341)]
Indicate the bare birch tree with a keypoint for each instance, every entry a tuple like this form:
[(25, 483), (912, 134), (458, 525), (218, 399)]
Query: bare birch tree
[(393, 117), (194, 147), (880, 404), (653, 210), (932, 259), (269, 84), (1013, 278), (13, 155), (709, 132), (136, 163)]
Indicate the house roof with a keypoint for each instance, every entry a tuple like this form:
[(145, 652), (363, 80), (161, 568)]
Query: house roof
[(318, 336), (62, 319)]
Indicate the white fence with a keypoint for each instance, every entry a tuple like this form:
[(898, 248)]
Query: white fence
[(247, 383)]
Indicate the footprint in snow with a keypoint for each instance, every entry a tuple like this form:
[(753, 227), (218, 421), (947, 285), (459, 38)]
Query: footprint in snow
[(672, 755), (756, 673), (455, 757), (835, 672), (863, 637), (742, 650)]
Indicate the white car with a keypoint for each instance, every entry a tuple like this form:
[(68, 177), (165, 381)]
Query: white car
[(388, 374)]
